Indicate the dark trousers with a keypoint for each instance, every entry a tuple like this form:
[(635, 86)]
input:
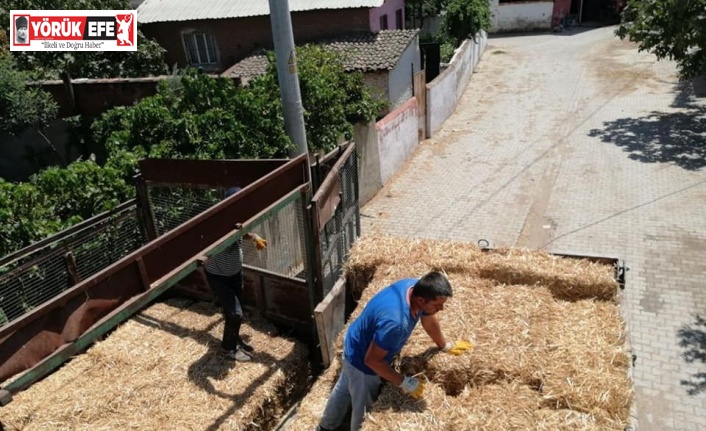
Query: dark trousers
[(229, 291)]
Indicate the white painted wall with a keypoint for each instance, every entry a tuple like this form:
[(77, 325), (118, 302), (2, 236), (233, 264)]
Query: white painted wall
[(445, 90), (369, 182), (534, 15), (401, 81), (397, 138)]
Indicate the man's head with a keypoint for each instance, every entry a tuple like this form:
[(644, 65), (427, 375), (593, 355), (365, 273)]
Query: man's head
[(233, 190), (431, 292), (21, 25)]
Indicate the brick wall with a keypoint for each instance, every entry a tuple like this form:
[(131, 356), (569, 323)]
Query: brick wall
[(238, 37)]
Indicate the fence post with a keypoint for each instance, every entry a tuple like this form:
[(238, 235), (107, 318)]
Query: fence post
[(145, 214), (71, 267), (356, 192), (312, 272)]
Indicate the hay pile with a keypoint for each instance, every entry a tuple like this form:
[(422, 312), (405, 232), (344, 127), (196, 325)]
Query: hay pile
[(162, 370), (549, 340)]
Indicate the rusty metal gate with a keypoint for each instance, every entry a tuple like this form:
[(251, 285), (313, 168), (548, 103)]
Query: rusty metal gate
[(44, 337), (277, 278), (335, 214), (95, 275)]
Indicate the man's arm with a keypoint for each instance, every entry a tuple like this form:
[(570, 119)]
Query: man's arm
[(375, 359), (433, 329), (260, 243)]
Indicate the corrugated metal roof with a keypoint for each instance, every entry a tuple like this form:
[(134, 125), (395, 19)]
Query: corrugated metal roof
[(188, 10)]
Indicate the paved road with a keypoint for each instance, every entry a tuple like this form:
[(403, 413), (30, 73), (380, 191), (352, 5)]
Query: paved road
[(575, 142)]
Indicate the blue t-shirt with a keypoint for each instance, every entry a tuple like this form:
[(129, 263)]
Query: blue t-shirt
[(387, 320)]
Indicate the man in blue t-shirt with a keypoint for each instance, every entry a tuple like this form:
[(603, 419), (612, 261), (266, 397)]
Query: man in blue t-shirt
[(377, 335)]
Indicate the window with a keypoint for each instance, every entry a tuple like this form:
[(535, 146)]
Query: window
[(200, 49), (383, 22), (399, 25)]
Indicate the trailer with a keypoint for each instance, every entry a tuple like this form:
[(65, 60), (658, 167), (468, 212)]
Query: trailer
[(63, 294)]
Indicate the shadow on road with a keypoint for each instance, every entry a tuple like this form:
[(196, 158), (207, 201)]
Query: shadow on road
[(693, 339), (664, 137)]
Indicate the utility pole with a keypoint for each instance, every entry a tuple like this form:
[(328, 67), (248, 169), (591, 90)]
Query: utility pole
[(287, 74)]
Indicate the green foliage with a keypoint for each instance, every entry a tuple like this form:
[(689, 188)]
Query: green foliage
[(199, 117), (417, 10), (21, 107), (447, 50), (673, 29), (82, 190), (147, 60), (464, 19), (333, 99), (57, 198), (28, 216), (192, 115)]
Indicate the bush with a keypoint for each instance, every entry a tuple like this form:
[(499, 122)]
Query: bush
[(464, 19), (200, 116), (191, 116), (27, 214)]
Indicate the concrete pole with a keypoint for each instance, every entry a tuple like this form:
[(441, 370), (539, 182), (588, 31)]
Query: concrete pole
[(287, 74)]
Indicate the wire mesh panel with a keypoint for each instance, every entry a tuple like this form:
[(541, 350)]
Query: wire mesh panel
[(284, 230), (172, 205), (109, 243), (286, 246), (39, 275), (339, 233)]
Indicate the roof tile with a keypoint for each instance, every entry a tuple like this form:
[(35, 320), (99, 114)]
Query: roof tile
[(362, 52)]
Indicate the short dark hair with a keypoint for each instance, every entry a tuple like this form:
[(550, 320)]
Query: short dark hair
[(432, 285), (232, 190), (21, 22)]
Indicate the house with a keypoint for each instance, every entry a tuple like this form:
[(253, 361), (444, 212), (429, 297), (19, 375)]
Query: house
[(514, 15), (215, 34), (388, 60)]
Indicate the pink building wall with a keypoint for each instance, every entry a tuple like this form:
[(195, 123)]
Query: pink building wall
[(388, 8)]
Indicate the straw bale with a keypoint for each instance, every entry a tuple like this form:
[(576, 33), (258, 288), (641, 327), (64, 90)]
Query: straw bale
[(567, 278), (589, 365), (312, 405), (536, 333), (163, 367), (508, 324), (502, 406), (371, 253), (394, 410)]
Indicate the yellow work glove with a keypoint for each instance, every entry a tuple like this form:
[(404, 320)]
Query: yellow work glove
[(412, 387), (457, 347), (260, 243)]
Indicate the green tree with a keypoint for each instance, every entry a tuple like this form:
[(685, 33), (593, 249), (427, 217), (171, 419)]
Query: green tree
[(27, 216), (196, 115), (23, 107), (417, 10), (673, 29), (333, 99), (147, 60), (464, 19), (82, 190), (58, 198)]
